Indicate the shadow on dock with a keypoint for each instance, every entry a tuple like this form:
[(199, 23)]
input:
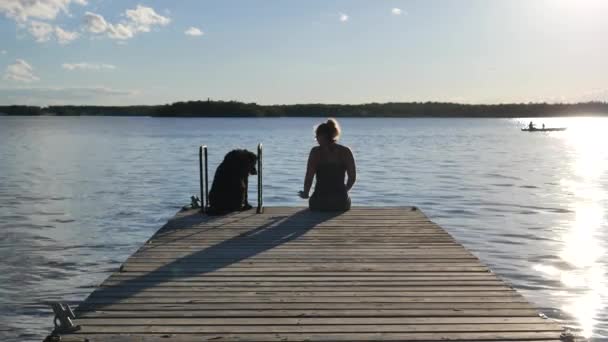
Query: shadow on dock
[(274, 232)]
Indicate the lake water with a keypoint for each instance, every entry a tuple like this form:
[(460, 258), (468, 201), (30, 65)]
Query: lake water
[(78, 195)]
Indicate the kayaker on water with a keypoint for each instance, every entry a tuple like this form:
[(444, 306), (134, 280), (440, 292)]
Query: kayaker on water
[(531, 125)]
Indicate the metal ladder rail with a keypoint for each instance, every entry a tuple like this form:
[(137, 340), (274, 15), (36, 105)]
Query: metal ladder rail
[(204, 177), (260, 184)]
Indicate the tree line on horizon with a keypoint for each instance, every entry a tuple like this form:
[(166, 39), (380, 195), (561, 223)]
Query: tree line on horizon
[(392, 109)]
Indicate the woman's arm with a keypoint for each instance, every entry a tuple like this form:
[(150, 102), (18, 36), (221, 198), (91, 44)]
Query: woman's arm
[(311, 169), (351, 169)]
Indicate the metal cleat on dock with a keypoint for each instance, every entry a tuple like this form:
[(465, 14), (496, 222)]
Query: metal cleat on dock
[(567, 336), (63, 318), (195, 203)]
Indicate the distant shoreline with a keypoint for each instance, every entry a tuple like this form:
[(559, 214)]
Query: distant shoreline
[(228, 109)]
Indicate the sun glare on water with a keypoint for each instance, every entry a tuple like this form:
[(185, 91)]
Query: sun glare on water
[(583, 274)]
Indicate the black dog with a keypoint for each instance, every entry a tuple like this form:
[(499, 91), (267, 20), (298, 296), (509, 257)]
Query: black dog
[(229, 189)]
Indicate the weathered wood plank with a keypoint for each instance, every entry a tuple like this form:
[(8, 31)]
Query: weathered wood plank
[(428, 285), (402, 275), (532, 323), (208, 280), (156, 311), (352, 328), (190, 306), (401, 278), (97, 299), (308, 258), (331, 337), (286, 294)]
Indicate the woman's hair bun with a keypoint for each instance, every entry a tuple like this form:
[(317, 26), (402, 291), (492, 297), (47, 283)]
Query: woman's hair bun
[(330, 129)]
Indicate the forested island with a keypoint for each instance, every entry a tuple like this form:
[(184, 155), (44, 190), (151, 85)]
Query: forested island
[(392, 109)]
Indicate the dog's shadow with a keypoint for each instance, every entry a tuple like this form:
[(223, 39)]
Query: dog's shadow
[(275, 232)]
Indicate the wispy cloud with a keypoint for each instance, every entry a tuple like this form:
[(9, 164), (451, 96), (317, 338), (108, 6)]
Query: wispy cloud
[(95, 23), (344, 17), (44, 32), (87, 66), (3, 52), (120, 31), (139, 19), (20, 71), (41, 31), (397, 11), (70, 95), (194, 31), (23, 10), (65, 37), (143, 18)]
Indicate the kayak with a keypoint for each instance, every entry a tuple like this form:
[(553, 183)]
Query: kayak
[(557, 129)]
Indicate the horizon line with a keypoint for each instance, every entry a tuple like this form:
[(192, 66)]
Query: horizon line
[(603, 102)]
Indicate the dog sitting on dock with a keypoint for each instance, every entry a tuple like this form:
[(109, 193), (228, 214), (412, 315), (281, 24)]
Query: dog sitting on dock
[(229, 189)]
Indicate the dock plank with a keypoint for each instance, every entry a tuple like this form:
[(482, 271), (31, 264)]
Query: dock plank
[(288, 274)]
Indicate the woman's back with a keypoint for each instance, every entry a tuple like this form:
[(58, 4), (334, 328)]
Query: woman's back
[(329, 163), (330, 191), (331, 171)]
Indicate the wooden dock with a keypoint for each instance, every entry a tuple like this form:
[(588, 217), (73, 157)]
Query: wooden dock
[(288, 274)]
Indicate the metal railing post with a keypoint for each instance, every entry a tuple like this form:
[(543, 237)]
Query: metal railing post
[(206, 182), (204, 177), (260, 184)]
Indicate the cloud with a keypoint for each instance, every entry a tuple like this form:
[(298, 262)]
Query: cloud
[(140, 19), (143, 18), (120, 31), (71, 95), (65, 37), (20, 71), (29, 13), (41, 31), (95, 23), (87, 66), (22, 10), (193, 31), (3, 52), (344, 17), (396, 11)]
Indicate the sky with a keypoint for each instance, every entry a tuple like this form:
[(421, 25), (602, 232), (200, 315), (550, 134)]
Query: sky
[(103, 52)]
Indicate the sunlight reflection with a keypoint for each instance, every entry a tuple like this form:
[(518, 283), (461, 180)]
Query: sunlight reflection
[(589, 141), (585, 309), (581, 246), (581, 271)]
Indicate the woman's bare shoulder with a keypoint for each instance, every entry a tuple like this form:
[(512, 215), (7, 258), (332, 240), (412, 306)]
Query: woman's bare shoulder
[(344, 149)]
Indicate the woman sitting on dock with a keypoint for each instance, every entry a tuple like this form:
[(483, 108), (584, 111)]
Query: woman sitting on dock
[(330, 162)]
